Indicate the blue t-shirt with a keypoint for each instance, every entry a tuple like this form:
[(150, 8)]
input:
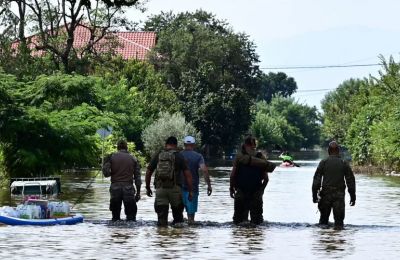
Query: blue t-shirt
[(194, 160)]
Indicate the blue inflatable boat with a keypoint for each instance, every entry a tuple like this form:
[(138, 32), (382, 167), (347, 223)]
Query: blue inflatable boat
[(71, 220)]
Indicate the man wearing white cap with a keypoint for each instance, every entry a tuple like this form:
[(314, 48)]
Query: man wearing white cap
[(195, 161)]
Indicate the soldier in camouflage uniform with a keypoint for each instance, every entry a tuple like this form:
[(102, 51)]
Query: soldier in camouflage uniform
[(169, 191), (329, 182)]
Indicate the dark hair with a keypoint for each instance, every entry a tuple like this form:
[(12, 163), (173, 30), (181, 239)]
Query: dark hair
[(172, 140), (122, 145), (250, 140), (333, 148)]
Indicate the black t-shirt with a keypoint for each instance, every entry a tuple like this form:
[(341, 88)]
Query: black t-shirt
[(249, 178)]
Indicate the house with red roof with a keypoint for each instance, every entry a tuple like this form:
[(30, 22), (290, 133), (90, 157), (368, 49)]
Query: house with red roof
[(129, 45)]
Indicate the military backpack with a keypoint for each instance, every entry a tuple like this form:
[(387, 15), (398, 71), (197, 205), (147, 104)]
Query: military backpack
[(165, 172)]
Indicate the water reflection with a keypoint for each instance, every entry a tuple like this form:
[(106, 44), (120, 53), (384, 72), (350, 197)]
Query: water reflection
[(249, 240), (175, 242), (332, 243)]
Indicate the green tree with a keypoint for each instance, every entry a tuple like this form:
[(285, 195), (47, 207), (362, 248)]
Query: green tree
[(338, 109), (212, 70), (286, 124), (276, 84), (167, 125), (134, 90), (365, 114)]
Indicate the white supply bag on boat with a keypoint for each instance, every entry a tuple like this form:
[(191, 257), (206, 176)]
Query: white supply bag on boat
[(8, 212), (59, 209)]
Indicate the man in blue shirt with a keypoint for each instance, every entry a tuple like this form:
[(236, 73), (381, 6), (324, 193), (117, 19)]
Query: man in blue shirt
[(195, 162)]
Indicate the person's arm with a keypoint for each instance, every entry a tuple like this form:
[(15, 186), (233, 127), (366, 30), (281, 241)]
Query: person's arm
[(317, 181), (150, 169), (351, 184), (206, 174), (265, 180), (138, 179), (187, 175), (188, 179), (232, 180)]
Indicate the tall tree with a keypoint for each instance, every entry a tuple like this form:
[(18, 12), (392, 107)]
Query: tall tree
[(212, 70), (338, 109), (276, 84)]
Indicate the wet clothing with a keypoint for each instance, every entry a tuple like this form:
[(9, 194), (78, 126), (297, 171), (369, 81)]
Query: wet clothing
[(169, 193), (330, 180), (248, 202), (194, 160), (332, 199), (190, 206), (125, 170), (123, 192), (247, 179)]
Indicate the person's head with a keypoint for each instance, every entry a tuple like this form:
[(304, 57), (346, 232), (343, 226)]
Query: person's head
[(250, 142), (171, 142), (333, 148), (122, 145), (189, 142)]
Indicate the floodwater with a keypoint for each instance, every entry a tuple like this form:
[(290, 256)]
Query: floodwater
[(372, 227)]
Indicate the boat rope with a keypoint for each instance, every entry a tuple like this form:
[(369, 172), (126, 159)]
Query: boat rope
[(83, 193)]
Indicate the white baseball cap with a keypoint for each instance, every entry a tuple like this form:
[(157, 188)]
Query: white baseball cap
[(189, 140)]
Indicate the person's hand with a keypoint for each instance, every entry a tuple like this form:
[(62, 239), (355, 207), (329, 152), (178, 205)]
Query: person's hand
[(190, 196), (149, 193), (315, 198), (137, 197), (209, 190), (232, 192), (352, 199)]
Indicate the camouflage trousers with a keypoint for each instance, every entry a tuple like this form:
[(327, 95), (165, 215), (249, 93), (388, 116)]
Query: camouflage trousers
[(123, 192), (248, 202), (332, 199), (164, 198)]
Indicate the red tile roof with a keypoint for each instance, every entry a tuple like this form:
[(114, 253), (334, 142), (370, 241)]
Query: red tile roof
[(130, 45)]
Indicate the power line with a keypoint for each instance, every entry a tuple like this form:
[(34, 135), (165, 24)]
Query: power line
[(321, 66), (314, 90)]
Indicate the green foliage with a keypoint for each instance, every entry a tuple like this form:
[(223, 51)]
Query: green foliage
[(167, 125), (286, 124), (276, 84), (110, 146), (212, 71), (136, 92), (338, 109), (366, 116)]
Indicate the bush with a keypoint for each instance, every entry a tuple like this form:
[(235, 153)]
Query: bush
[(167, 125)]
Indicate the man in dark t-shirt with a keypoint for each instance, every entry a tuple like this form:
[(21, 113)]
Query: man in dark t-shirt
[(169, 189), (249, 177)]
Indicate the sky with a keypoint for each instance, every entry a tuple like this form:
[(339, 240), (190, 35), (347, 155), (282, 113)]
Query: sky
[(307, 33)]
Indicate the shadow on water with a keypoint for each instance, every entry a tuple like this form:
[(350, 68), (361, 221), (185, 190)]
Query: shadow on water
[(331, 243)]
